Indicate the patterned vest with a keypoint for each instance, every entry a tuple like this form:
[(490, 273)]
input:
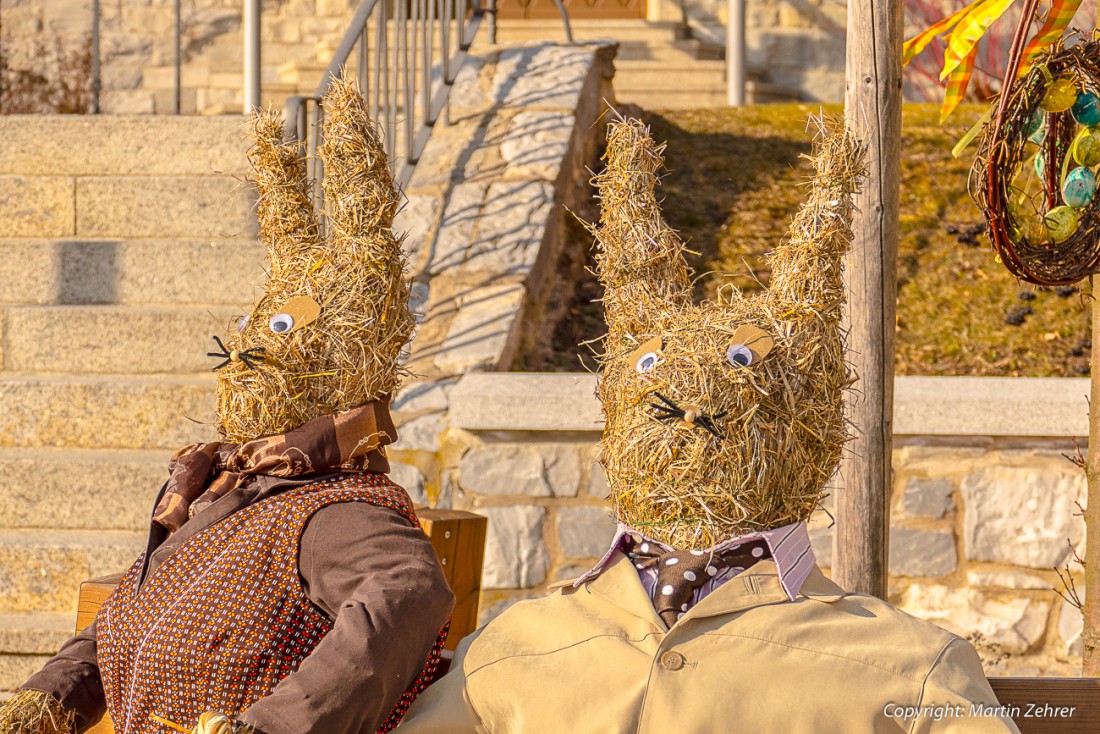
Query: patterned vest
[(224, 618)]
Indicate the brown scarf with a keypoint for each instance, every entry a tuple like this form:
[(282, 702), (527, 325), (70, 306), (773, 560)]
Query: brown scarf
[(680, 573), (349, 441)]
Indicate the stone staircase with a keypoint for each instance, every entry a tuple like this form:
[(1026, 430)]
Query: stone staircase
[(655, 68), (127, 243)]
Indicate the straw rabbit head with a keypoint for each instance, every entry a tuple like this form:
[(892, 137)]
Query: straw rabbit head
[(728, 416), (326, 334)]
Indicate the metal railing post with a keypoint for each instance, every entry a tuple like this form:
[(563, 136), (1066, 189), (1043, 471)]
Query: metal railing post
[(97, 79), (251, 32), (406, 89), (176, 92), (735, 54)]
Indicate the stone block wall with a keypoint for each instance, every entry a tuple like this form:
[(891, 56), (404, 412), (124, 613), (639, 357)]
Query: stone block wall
[(979, 523), (137, 46), (791, 44)]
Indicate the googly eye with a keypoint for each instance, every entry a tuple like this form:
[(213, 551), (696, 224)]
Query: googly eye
[(739, 355), (646, 362), (281, 323), (241, 323)]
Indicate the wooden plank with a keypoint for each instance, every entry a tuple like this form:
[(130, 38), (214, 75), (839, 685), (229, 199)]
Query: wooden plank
[(1090, 631), (873, 110), (459, 540), (1051, 705), (92, 595)]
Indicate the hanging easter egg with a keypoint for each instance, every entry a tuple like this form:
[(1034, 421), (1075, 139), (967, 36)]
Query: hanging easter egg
[(1079, 187), (1060, 96), (1086, 147), (1017, 223), (1086, 110), (1036, 127), (1061, 223)]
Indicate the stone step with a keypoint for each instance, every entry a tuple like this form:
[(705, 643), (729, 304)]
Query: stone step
[(659, 76), (107, 145), (163, 206), (44, 568), (136, 340), (513, 31), (79, 489), (37, 633), (671, 100), (105, 411), (177, 272), (644, 51), (27, 641)]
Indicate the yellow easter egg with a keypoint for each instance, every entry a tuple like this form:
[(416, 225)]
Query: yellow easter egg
[(1086, 147), (1061, 223), (1060, 96)]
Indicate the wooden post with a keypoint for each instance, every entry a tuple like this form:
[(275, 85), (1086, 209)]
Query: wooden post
[(873, 111), (1090, 634)]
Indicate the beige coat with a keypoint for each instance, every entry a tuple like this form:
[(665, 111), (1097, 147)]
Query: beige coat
[(598, 659)]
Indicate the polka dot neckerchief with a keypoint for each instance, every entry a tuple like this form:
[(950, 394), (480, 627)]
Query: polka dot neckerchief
[(224, 618), (681, 573)]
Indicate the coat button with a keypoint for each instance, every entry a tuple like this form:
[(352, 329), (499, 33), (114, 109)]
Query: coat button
[(672, 661)]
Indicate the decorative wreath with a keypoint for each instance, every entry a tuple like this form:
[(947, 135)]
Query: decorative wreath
[(1035, 173)]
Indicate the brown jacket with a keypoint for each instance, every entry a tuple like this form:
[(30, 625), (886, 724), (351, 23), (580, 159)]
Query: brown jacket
[(365, 567), (597, 659)]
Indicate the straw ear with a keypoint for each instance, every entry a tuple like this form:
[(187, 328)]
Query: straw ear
[(639, 258), (360, 195), (806, 267), (284, 207)]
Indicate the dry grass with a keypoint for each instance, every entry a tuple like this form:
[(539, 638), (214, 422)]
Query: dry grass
[(734, 448), (35, 712), (734, 182), (355, 273)]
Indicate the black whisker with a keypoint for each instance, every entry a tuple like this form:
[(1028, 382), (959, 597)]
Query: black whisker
[(666, 401), (706, 423), (250, 357)]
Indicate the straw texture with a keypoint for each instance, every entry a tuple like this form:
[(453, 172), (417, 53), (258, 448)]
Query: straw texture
[(35, 712), (355, 273), (697, 447)]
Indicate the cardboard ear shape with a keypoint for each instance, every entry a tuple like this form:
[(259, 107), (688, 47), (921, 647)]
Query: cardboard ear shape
[(757, 340), (653, 346), (302, 309)]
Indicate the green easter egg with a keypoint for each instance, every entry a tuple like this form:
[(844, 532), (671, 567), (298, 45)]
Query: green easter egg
[(1060, 96), (1036, 127), (1079, 187), (1086, 147), (1061, 223), (1086, 110), (1040, 164)]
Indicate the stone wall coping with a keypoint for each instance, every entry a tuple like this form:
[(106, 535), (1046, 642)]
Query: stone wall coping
[(923, 406)]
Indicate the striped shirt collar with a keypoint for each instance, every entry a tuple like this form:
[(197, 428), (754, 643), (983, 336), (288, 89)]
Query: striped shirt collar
[(789, 547)]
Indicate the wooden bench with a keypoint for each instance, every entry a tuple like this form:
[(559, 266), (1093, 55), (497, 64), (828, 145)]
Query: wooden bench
[(1051, 705), (457, 537)]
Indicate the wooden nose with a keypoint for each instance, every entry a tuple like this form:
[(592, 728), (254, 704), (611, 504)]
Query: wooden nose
[(692, 413)]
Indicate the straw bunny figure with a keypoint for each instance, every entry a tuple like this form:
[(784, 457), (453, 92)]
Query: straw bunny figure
[(724, 421), (287, 587), (726, 417)]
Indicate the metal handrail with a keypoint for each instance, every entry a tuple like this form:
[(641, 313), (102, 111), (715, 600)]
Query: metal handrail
[(405, 85)]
